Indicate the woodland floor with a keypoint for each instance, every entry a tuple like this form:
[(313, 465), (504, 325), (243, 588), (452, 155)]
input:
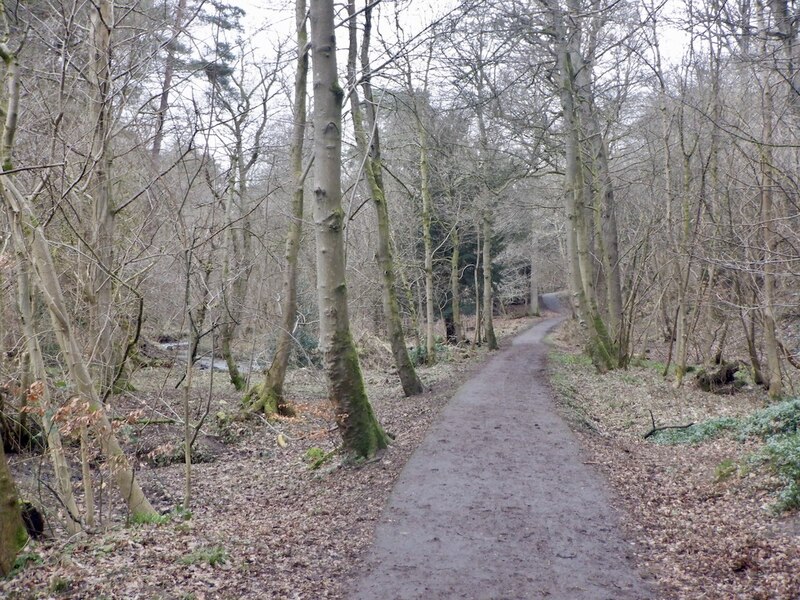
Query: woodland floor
[(703, 512), (263, 525)]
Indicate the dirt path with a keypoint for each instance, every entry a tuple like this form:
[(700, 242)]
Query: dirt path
[(497, 502)]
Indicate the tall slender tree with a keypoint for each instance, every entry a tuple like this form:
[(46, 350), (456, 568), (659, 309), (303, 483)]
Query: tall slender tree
[(361, 433), (268, 395), (368, 142)]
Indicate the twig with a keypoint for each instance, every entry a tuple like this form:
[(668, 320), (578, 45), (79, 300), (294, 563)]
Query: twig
[(657, 429)]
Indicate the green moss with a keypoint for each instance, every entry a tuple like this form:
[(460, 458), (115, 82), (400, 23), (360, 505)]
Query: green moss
[(725, 470), (20, 537), (362, 435), (266, 399), (313, 454), (24, 560), (338, 92)]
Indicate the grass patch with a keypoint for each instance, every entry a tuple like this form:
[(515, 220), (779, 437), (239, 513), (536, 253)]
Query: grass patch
[(146, 519), (725, 470), (313, 454), (646, 363), (565, 358), (213, 556), (23, 560)]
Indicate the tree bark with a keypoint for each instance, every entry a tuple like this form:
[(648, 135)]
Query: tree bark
[(12, 529), (768, 220), (236, 270), (103, 317), (573, 96), (361, 433), (533, 307), (427, 209)]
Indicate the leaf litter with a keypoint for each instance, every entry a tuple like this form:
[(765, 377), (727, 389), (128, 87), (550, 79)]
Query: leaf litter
[(261, 524), (703, 511)]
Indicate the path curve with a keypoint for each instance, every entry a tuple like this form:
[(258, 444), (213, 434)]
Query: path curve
[(498, 503)]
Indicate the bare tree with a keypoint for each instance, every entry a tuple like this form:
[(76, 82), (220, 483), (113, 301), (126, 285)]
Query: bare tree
[(361, 433)]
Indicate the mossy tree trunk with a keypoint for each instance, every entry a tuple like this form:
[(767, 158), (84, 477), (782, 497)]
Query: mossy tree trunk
[(361, 433), (600, 344), (488, 295), (369, 149), (427, 213), (267, 397), (12, 529), (455, 288)]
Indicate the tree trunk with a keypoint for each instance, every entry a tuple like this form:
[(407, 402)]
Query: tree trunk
[(235, 273), (488, 296), (268, 397), (12, 529), (455, 289), (54, 445), (103, 317), (361, 433), (768, 219), (427, 208), (477, 339), (533, 307), (166, 86), (372, 167), (600, 346)]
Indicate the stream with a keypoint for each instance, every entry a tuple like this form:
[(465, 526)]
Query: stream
[(205, 360)]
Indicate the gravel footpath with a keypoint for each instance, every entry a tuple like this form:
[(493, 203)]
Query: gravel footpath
[(498, 501)]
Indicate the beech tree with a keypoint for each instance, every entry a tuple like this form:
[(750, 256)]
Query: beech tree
[(361, 433)]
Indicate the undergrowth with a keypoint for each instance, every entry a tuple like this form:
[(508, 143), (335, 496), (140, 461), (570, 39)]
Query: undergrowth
[(778, 419), (778, 425)]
